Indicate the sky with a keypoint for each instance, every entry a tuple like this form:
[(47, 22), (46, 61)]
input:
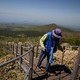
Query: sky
[(61, 12)]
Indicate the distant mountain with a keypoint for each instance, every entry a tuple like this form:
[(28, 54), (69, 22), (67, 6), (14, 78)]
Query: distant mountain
[(15, 25), (50, 27), (72, 27), (75, 28), (33, 30)]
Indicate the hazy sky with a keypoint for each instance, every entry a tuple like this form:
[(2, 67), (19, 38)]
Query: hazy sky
[(65, 12)]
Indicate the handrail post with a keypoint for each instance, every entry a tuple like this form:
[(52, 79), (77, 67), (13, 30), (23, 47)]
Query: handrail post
[(36, 50), (63, 55), (13, 48), (31, 57), (16, 50), (76, 66), (20, 51)]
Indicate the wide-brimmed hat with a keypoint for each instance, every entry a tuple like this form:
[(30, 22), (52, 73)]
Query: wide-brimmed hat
[(57, 33)]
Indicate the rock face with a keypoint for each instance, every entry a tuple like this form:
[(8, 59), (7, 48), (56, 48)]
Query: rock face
[(68, 59)]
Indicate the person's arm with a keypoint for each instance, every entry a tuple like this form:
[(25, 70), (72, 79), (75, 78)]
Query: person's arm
[(43, 38)]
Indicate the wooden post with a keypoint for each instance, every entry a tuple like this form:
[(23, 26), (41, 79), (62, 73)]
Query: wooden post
[(31, 56), (36, 50), (13, 48), (20, 60), (62, 58), (20, 51), (16, 50), (8, 45), (76, 66), (21, 54), (63, 55)]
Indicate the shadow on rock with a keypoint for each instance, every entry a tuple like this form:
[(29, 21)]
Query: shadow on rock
[(56, 69)]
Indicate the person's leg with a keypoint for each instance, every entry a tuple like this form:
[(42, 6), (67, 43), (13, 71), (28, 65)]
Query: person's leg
[(41, 57), (48, 64)]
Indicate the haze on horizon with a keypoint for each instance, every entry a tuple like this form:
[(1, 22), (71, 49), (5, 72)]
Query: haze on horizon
[(61, 12)]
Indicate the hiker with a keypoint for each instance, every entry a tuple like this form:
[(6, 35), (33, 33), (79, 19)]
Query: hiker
[(49, 44)]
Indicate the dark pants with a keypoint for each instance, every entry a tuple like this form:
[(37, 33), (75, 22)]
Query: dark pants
[(43, 54)]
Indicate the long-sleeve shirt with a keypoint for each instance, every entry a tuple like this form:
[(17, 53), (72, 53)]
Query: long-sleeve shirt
[(42, 40)]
